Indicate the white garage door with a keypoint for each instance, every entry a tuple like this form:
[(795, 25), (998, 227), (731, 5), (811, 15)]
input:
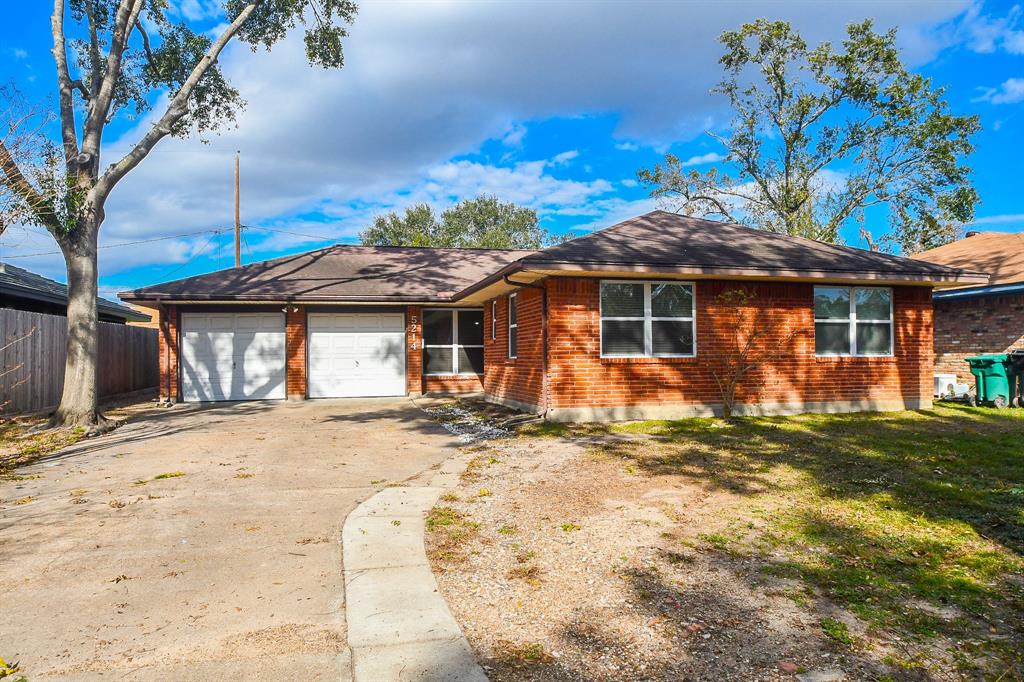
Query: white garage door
[(232, 356), (356, 354)]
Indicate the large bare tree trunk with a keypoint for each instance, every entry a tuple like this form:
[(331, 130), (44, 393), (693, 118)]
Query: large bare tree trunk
[(79, 402)]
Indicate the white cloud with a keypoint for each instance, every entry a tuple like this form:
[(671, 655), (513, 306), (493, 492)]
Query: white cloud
[(710, 157), (986, 34), (627, 146), (999, 219), (514, 137), (564, 158), (1010, 92), (629, 182), (20, 53)]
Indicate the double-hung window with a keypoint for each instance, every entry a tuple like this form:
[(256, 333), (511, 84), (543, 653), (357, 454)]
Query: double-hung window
[(647, 319), (453, 342), (513, 325), (852, 321)]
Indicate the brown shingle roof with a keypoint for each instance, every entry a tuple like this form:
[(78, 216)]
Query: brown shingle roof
[(664, 238), (661, 241), (341, 273), (1000, 254)]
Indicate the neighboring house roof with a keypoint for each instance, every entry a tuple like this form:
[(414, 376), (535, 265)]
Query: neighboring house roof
[(340, 273), (664, 242), (656, 242), (1001, 254), (20, 283)]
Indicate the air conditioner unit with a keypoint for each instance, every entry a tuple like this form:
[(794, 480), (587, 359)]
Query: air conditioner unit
[(945, 385)]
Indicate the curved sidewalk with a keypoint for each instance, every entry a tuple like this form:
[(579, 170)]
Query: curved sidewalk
[(399, 626)]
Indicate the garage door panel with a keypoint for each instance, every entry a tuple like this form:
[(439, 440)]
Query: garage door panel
[(233, 356), (356, 354)]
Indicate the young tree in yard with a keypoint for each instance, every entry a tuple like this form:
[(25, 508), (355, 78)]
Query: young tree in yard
[(481, 223), (745, 343), (119, 56), (821, 135)]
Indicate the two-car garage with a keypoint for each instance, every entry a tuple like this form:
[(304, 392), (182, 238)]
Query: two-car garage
[(242, 356)]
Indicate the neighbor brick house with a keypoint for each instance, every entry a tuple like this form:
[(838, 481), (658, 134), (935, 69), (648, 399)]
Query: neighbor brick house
[(987, 318), (622, 323)]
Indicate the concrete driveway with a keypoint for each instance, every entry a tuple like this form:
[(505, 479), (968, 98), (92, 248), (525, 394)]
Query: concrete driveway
[(229, 571)]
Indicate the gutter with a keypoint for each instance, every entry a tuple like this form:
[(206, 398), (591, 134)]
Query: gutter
[(979, 292), (544, 391)]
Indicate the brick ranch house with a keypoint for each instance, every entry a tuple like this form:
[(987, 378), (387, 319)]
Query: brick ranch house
[(618, 324), (979, 319)]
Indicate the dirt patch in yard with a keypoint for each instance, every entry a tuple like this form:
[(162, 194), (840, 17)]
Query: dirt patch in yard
[(638, 553)]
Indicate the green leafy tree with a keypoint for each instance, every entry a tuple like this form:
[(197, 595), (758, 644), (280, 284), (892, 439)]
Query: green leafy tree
[(116, 57), (481, 223), (821, 135)]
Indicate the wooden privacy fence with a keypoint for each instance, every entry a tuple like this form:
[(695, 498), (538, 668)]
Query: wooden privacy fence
[(32, 352)]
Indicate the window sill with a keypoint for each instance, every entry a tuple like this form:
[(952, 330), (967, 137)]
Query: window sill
[(855, 358), (644, 360)]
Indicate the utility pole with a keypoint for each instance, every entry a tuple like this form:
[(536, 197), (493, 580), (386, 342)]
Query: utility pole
[(238, 219)]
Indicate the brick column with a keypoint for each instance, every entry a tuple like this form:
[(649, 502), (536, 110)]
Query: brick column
[(414, 350), (295, 352), (168, 360)]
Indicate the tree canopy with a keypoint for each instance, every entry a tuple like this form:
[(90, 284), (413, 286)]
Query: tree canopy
[(481, 223), (819, 136)]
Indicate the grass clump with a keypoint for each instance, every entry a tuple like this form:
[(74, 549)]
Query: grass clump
[(836, 630), (449, 534), (168, 474)]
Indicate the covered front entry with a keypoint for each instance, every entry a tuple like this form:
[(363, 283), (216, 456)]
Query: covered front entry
[(356, 354), (232, 356)]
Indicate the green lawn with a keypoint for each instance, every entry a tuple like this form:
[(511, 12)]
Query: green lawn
[(911, 521)]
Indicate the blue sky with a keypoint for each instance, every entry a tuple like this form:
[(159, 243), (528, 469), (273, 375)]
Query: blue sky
[(554, 105)]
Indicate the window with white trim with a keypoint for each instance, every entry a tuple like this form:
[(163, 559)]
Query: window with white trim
[(453, 341), (852, 321), (513, 325), (494, 319), (647, 319)]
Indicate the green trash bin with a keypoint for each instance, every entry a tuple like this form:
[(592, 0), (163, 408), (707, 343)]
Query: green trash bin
[(991, 378)]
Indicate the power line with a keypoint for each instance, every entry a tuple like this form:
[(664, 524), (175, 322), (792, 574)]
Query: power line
[(318, 237), (195, 255), (115, 246)]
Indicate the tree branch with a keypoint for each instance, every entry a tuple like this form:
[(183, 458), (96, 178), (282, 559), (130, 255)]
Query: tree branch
[(68, 129), (177, 108), (80, 86), (14, 179), (127, 14), (147, 47)]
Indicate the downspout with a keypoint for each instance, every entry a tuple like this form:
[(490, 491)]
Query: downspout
[(544, 392)]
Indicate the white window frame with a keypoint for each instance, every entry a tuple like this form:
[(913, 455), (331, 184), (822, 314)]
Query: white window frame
[(454, 345), (851, 322), (513, 302), (494, 319), (648, 319)]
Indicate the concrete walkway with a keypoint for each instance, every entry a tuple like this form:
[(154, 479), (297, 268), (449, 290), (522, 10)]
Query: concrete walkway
[(399, 626)]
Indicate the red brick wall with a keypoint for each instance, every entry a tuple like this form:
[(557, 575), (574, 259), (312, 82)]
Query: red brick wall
[(979, 325), (453, 384), (169, 353), (295, 352), (580, 378), (414, 349), (518, 379)]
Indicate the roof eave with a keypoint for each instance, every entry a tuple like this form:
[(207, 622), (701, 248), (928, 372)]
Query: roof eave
[(105, 307)]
